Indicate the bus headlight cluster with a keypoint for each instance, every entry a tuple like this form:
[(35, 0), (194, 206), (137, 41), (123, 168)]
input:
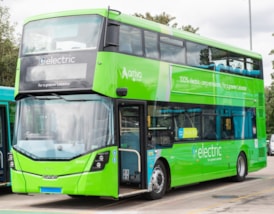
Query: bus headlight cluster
[(10, 160), (100, 161)]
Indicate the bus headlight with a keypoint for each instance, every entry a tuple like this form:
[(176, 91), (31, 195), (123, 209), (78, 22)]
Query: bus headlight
[(100, 161), (10, 160)]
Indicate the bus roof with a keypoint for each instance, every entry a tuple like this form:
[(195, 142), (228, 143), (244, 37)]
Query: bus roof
[(6, 93), (150, 25)]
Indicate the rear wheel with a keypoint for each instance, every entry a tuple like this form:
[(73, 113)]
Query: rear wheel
[(241, 168), (159, 181)]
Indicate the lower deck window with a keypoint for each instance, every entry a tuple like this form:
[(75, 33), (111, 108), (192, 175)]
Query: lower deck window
[(186, 122)]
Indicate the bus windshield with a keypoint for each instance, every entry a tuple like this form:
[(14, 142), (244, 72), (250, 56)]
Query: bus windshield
[(62, 34), (63, 127)]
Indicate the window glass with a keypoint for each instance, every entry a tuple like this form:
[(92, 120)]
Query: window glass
[(209, 131), (253, 68), (62, 34), (166, 39), (193, 122), (233, 63), (130, 119), (63, 127), (172, 50), (236, 63), (197, 54), (130, 40), (151, 44), (218, 58)]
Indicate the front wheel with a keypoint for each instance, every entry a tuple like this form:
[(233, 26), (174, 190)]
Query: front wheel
[(241, 168), (159, 181)]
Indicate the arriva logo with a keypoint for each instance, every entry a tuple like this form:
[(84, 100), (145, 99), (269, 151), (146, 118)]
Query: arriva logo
[(135, 76), (57, 60), (211, 152)]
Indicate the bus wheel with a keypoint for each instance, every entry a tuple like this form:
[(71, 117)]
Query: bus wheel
[(159, 181), (241, 168)]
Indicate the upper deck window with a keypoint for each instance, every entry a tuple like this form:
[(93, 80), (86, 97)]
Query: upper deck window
[(197, 54), (172, 49), (130, 40), (151, 44), (206, 57), (62, 34)]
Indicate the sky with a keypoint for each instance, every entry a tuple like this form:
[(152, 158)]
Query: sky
[(223, 20)]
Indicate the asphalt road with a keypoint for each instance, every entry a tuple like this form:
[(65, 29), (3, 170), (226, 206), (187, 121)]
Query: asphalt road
[(253, 196)]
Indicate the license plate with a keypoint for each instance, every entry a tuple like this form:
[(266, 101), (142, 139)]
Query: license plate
[(55, 190)]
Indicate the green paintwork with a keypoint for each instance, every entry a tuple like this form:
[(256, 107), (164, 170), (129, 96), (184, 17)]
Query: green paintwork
[(147, 79), (153, 80), (71, 174), (188, 167)]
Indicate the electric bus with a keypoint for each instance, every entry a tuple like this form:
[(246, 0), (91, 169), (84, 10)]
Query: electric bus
[(114, 105)]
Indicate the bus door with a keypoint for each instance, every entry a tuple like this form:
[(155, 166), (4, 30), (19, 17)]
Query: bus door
[(132, 128), (3, 145)]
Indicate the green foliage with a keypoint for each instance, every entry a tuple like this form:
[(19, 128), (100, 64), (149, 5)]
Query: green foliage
[(8, 49), (269, 106), (272, 52), (162, 18), (166, 19), (269, 103)]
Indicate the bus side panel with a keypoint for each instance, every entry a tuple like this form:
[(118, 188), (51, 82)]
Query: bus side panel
[(257, 158), (210, 87), (203, 161), (127, 71)]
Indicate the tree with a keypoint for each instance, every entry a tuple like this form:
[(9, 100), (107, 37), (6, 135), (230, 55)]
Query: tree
[(269, 108), (272, 52), (166, 19), (8, 49), (189, 28), (269, 103)]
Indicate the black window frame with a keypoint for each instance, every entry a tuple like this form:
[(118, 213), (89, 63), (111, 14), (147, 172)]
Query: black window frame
[(207, 60)]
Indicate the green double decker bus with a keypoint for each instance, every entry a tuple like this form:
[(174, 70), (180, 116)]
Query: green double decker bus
[(7, 114), (114, 105)]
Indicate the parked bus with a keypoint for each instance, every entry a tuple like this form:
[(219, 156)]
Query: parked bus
[(114, 105), (7, 114)]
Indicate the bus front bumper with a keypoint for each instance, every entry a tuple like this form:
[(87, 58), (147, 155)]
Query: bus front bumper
[(87, 183)]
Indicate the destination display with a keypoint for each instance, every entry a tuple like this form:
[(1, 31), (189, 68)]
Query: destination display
[(57, 71)]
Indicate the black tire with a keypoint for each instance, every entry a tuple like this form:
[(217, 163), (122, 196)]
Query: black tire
[(159, 181), (241, 168)]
